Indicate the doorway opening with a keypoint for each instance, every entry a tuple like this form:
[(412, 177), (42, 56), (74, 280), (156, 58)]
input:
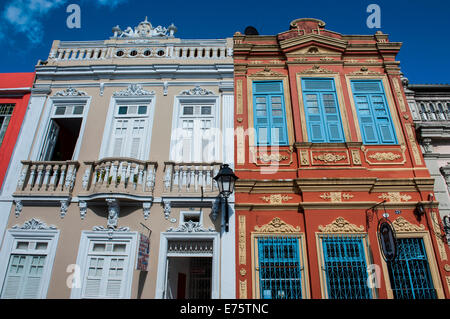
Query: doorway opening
[(189, 277)]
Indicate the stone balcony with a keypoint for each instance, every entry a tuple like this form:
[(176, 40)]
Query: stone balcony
[(47, 179), (124, 176), (191, 178)]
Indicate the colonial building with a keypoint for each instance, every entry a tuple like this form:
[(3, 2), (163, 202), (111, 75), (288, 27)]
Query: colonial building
[(15, 90), (430, 109), (325, 150), (116, 197)]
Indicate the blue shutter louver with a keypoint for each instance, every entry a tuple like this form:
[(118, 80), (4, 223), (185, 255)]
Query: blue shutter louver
[(322, 111), (269, 113), (373, 112)]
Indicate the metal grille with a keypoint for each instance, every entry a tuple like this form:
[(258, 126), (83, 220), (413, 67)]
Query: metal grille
[(409, 272), (200, 278), (345, 267), (279, 267)]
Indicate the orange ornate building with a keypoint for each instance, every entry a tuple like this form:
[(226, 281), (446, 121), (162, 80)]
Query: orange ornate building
[(325, 148)]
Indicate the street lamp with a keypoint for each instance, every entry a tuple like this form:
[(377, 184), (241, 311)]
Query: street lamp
[(225, 181)]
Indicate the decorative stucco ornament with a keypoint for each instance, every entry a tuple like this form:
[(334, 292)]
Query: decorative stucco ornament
[(144, 30)]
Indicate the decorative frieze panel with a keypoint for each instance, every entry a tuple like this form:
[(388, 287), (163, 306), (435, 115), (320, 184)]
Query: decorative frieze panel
[(133, 90), (356, 157), (190, 227), (197, 91), (402, 225), (191, 247), (268, 157), (330, 157), (336, 197), (242, 241), (395, 197), (34, 224), (276, 198), (340, 225), (413, 142), (317, 69), (70, 91), (243, 289), (384, 156), (276, 225), (267, 72), (239, 98)]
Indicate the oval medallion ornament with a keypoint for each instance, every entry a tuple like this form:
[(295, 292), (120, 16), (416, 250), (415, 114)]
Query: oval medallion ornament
[(387, 240)]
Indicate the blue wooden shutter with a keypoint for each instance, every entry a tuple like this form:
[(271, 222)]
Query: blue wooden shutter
[(322, 111), (373, 112), (332, 118), (269, 113), (314, 119)]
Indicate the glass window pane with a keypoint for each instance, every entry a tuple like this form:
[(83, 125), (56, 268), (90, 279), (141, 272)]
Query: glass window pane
[(206, 110), (142, 109), (41, 246), (60, 110), (22, 245), (123, 110), (78, 110), (119, 247), (188, 110), (99, 247)]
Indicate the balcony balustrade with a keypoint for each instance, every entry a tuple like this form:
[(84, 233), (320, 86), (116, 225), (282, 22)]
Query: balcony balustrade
[(114, 176), (119, 175), (169, 52), (434, 111), (190, 177), (47, 178)]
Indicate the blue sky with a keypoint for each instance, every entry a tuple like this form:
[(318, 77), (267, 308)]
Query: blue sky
[(28, 27)]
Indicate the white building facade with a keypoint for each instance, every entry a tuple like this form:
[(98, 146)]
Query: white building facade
[(116, 197)]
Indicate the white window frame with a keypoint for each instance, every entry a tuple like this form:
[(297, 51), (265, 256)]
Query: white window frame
[(177, 120), (13, 236), (49, 115), (88, 237), (116, 102)]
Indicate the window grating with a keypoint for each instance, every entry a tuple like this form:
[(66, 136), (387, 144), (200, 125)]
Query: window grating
[(345, 267), (409, 273), (279, 267)]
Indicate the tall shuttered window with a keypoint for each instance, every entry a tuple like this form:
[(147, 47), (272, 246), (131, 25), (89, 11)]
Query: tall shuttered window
[(196, 133), (345, 267), (279, 267), (129, 131), (410, 272), (106, 270), (269, 113), (322, 111), (28, 265), (6, 111), (373, 112)]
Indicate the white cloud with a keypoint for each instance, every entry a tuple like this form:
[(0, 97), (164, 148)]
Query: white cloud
[(26, 16)]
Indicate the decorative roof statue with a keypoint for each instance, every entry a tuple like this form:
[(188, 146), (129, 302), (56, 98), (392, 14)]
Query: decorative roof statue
[(144, 30)]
